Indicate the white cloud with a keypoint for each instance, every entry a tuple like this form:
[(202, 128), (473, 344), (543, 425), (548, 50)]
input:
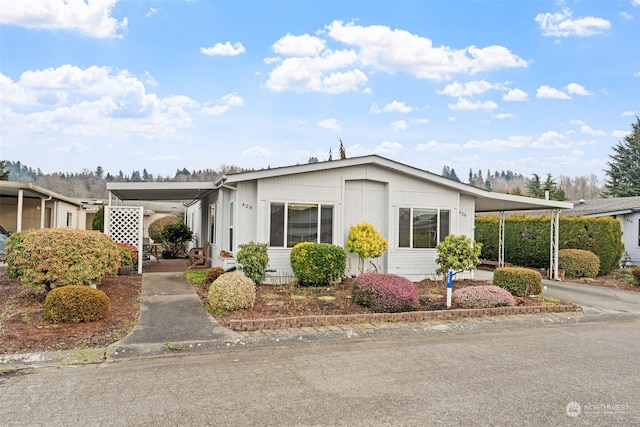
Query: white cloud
[(95, 101), (435, 146), (256, 151), (629, 113), (74, 147), (515, 95), (396, 50), (626, 15), (388, 148), (311, 66), (149, 79), (498, 144), (617, 133), (590, 131), (91, 18), (576, 122), (635, 2), (304, 45), (503, 116), (636, 74), (272, 60), (467, 89), (224, 104), (152, 11), (545, 91), (330, 124), (562, 24), (392, 107), (422, 121), (465, 104), (225, 49), (577, 89), (399, 125), (317, 74)]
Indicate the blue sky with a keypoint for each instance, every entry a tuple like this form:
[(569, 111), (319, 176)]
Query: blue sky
[(528, 86)]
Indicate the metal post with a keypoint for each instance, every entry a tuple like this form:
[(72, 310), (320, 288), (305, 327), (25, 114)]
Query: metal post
[(553, 247), (501, 240), (449, 288)]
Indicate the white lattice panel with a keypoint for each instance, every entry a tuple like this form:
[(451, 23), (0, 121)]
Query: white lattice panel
[(125, 225)]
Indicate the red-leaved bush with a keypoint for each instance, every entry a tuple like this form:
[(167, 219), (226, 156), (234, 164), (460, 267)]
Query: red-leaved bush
[(385, 293), (482, 297)]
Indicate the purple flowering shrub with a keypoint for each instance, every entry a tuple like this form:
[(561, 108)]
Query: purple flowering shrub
[(482, 297), (385, 293)]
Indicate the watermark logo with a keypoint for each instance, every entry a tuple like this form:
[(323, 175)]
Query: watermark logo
[(573, 409)]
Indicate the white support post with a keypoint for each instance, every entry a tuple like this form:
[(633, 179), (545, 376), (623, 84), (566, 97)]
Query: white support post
[(20, 207), (42, 208), (553, 247), (501, 240)]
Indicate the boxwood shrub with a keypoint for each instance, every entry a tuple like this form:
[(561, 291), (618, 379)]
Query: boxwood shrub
[(54, 257), (317, 264), (636, 274), (578, 263), (519, 281), (232, 291), (385, 293), (73, 304)]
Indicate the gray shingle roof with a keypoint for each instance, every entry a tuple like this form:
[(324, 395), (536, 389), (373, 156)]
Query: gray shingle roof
[(604, 207)]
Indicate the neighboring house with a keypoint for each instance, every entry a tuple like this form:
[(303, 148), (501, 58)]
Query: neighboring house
[(625, 209), (26, 206), (318, 202)]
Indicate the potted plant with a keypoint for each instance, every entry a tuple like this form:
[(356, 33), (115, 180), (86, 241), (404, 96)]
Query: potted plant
[(129, 257)]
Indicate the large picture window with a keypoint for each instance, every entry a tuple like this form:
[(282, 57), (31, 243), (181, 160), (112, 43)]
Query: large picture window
[(422, 228), (293, 223)]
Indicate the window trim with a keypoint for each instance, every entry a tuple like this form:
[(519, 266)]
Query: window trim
[(319, 205), (439, 237)]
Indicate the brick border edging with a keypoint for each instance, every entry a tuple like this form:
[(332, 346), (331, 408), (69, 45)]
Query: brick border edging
[(247, 325)]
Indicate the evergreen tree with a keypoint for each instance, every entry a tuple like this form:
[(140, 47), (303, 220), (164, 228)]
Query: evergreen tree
[(330, 154), (624, 166), (99, 172), (4, 175), (343, 153), (453, 175)]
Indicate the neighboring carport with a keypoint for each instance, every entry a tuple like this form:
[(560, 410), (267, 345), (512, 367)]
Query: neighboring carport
[(498, 203), (124, 223)]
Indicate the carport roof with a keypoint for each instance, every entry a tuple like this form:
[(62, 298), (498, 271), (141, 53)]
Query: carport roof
[(159, 191)]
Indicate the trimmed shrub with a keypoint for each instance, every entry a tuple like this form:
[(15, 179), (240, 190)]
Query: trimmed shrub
[(213, 273), (384, 293), (156, 227), (54, 257), (128, 253), (483, 297), (253, 259), (521, 282), (366, 241), (458, 253), (636, 274), (317, 264), (578, 263), (232, 291), (73, 304), (175, 237)]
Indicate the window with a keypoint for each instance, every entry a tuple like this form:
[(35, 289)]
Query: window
[(212, 224), (639, 233), (422, 228), (69, 219), (293, 223)]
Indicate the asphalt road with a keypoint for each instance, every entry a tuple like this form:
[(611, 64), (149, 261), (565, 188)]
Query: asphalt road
[(517, 376), (595, 299)]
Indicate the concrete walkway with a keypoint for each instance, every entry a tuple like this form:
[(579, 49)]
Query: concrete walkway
[(172, 319)]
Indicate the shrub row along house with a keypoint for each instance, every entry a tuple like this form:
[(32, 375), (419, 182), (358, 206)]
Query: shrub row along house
[(318, 202)]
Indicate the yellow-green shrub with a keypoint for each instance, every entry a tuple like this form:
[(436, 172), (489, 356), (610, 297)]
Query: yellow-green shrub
[(317, 264), (636, 274), (366, 241), (519, 281), (232, 291), (578, 263), (54, 257), (73, 304)]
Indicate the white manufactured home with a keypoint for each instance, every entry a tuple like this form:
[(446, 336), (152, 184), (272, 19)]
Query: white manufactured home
[(318, 202)]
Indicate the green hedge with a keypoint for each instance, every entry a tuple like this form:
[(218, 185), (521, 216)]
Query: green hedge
[(318, 264), (527, 239), (521, 282)]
